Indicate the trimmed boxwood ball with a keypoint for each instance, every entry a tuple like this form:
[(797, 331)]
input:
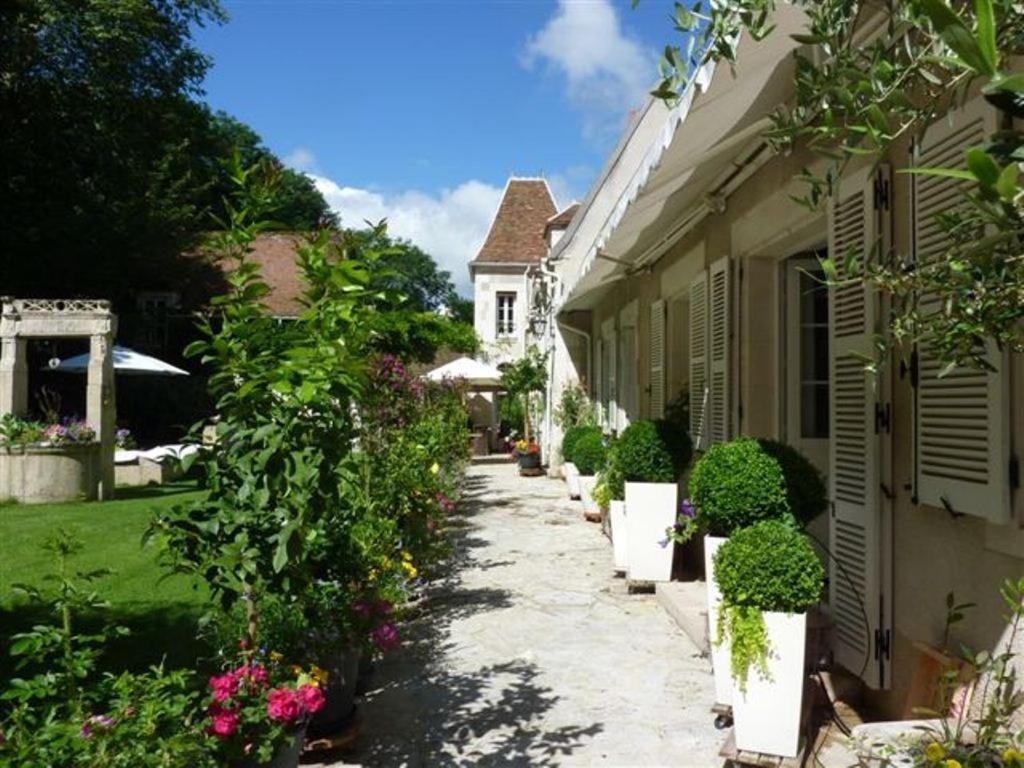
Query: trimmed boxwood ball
[(572, 436), (805, 487), (652, 452), (590, 453), (737, 484), (771, 566)]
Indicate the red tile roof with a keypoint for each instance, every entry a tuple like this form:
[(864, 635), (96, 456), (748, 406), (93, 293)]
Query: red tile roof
[(561, 219), (517, 234)]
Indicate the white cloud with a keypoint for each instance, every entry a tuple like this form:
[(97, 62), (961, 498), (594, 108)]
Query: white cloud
[(607, 71), (450, 226), (301, 159)]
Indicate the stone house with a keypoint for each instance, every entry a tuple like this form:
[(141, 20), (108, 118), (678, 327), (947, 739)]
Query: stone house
[(689, 271)]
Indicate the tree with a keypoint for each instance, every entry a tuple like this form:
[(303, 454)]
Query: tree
[(522, 378), (858, 96)]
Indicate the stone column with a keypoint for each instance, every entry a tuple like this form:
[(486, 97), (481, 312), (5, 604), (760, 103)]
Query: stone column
[(13, 376), (100, 409)]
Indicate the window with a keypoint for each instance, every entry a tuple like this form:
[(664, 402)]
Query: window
[(813, 354), (506, 314)]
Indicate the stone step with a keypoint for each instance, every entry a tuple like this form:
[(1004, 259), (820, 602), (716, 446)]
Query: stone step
[(686, 603)]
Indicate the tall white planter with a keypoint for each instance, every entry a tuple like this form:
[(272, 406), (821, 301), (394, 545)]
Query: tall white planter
[(767, 716), (572, 479), (650, 511), (719, 653), (587, 483), (620, 534)]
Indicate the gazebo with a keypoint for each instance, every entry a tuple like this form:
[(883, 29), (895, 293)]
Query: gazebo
[(482, 381), (49, 472)]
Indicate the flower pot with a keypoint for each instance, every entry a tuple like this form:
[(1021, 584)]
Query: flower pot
[(620, 535), (719, 652), (340, 694), (287, 756), (650, 512), (572, 479), (528, 460), (587, 484), (767, 714), (366, 670)]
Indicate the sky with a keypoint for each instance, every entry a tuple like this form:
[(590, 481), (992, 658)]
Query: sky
[(418, 111)]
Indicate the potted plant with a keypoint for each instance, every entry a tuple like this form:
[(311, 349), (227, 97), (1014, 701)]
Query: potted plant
[(590, 454), (521, 379), (650, 455), (569, 468), (528, 454), (732, 485), (769, 576), (614, 485)]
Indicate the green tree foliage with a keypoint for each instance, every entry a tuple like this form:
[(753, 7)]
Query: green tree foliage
[(859, 95), (109, 166), (522, 379)]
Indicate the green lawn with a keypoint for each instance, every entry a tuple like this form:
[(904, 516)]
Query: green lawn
[(160, 610)]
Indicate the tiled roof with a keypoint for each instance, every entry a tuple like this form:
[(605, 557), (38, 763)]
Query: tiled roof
[(517, 234), (275, 252), (561, 219)]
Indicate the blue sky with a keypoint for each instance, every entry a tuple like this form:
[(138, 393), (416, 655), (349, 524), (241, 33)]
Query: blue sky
[(419, 110)]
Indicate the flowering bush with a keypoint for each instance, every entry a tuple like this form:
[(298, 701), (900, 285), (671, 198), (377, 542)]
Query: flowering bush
[(124, 439), (15, 430), (256, 707)]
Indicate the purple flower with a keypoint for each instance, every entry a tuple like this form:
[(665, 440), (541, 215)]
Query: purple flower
[(385, 636), (663, 543), (686, 508)]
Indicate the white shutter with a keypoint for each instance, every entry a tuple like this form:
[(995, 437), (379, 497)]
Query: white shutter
[(698, 358), (858, 585), (611, 413), (628, 364), (719, 308), (598, 383), (657, 359), (963, 425)]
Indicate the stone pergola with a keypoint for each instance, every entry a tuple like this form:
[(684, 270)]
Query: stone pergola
[(24, 319)]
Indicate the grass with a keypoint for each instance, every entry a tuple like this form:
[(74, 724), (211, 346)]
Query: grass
[(160, 610)]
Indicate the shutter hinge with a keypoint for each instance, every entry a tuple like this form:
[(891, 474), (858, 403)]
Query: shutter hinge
[(881, 644), (1014, 472), (881, 193), (881, 418)]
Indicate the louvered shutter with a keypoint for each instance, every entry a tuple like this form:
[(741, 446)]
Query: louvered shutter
[(611, 351), (718, 387), (657, 359), (963, 425), (860, 609), (599, 395), (698, 359)]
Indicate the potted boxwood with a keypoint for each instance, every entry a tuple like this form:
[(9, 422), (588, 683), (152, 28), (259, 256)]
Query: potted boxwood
[(734, 485), (769, 576), (590, 454), (650, 455), (569, 468)]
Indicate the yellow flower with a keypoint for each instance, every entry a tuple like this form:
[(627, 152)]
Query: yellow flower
[(410, 569), (320, 676), (275, 656), (295, 670), (435, 468), (934, 752), (406, 556), (1011, 756), (951, 763)]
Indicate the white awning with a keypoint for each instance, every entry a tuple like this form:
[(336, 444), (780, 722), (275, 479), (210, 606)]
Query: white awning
[(476, 374), (126, 361)]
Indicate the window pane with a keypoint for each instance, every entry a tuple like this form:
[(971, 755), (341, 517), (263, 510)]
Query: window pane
[(814, 410)]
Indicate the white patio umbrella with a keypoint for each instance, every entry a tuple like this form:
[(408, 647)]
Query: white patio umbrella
[(477, 375), (126, 361)]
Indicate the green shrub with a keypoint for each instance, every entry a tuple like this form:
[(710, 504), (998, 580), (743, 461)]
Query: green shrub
[(737, 484), (590, 453), (572, 436), (769, 566), (805, 487), (652, 452)]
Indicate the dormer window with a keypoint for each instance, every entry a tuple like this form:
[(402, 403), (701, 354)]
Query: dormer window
[(506, 314)]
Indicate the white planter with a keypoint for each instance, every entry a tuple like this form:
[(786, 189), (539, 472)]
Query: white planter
[(767, 716), (572, 479), (719, 653), (587, 483), (650, 512), (620, 534)]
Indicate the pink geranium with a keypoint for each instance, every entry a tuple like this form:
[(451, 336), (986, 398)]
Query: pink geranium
[(385, 636), (312, 698), (224, 686), (224, 722), (284, 705)]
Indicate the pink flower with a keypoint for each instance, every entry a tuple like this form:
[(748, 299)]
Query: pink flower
[(363, 609), (225, 722), (385, 636), (224, 686), (97, 723), (383, 607), (254, 673), (284, 705), (312, 698)]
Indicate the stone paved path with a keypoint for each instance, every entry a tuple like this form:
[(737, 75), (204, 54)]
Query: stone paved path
[(532, 653)]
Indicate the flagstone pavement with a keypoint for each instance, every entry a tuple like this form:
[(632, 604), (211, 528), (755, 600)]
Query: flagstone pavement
[(532, 653)]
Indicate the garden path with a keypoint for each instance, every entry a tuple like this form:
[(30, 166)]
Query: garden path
[(531, 653)]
